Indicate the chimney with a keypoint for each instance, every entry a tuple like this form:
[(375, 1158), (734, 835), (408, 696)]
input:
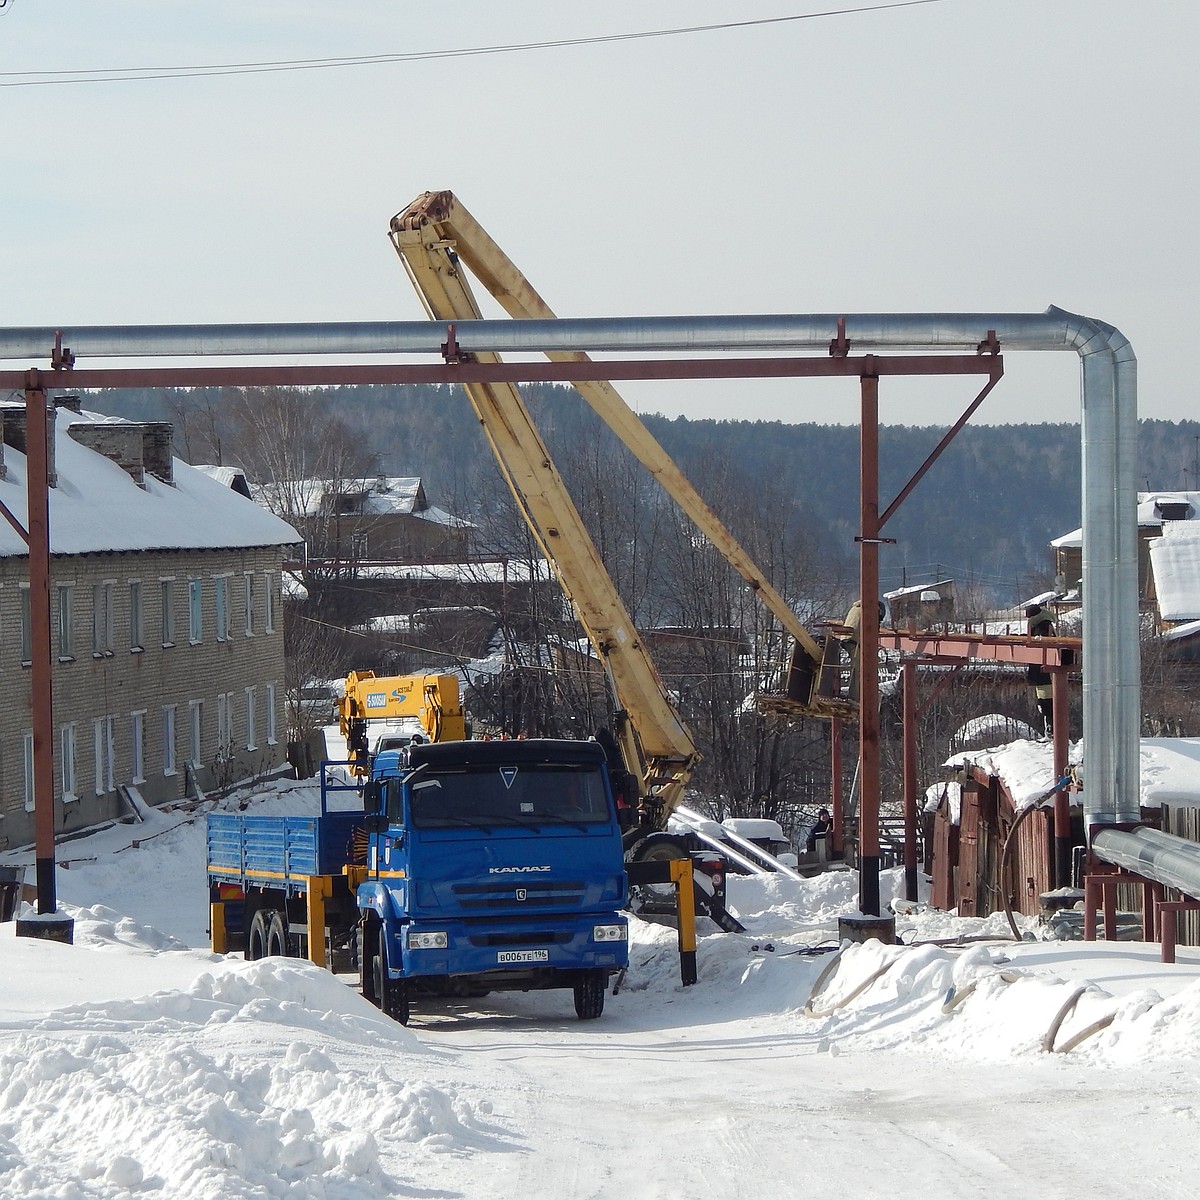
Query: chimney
[(120, 443), (156, 451), (71, 403), (15, 436)]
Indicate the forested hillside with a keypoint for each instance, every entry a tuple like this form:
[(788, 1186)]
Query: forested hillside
[(984, 514)]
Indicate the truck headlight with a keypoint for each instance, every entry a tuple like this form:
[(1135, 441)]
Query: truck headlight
[(427, 941), (610, 933)]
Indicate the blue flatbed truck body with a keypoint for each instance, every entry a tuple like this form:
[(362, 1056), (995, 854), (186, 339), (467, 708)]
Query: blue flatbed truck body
[(477, 867)]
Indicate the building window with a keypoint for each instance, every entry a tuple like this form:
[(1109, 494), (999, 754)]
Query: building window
[(194, 611), (166, 589), (110, 752), (102, 618), (27, 762), (136, 637), (169, 739), (248, 596), (196, 722), (358, 546), (270, 714), (137, 726), (98, 754), (26, 634), (251, 697), (222, 590), (224, 724), (66, 620), (67, 754), (268, 604)]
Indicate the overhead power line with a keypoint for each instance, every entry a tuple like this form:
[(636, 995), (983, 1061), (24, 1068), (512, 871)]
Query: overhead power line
[(188, 71)]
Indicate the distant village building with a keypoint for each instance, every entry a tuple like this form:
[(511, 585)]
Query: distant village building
[(382, 519), (166, 625), (921, 605)]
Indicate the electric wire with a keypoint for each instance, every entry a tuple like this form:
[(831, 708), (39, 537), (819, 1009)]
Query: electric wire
[(34, 78)]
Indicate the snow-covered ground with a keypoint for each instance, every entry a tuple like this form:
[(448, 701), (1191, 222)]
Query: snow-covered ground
[(137, 1063)]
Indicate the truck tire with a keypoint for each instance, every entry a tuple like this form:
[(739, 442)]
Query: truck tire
[(392, 993), (256, 936), (589, 995), (367, 949), (277, 936)]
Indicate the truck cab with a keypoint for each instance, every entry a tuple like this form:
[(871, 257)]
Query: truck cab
[(491, 865)]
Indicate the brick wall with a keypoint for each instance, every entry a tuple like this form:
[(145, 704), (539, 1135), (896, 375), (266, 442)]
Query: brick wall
[(102, 679)]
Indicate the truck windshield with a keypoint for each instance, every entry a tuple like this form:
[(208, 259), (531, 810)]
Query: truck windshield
[(531, 794)]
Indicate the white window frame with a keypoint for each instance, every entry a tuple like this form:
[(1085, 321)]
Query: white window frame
[(102, 619), (98, 753), (26, 625), (268, 603), (166, 599), (196, 731), (270, 703), (137, 615), (195, 611), (137, 747), (251, 704), (66, 621), (110, 750), (169, 762), (66, 751), (221, 588), (225, 723), (27, 767), (248, 598)]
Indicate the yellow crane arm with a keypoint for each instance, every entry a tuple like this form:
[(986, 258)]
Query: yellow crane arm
[(667, 750)]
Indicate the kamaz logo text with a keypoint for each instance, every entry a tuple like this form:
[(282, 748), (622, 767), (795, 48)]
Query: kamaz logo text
[(514, 870)]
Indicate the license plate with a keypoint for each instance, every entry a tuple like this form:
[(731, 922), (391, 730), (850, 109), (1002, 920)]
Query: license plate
[(522, 956)]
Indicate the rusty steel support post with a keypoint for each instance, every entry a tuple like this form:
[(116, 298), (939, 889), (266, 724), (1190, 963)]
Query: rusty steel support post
[(868, 651), (836, 833), (1061, 720), (908, 672), (40, 670)]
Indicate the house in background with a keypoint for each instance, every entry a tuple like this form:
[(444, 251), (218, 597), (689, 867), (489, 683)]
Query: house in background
[(383, 519), (166, 624), (922, 605)]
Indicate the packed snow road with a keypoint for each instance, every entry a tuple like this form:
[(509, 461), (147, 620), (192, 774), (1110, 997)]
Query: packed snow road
[(136, 1063)]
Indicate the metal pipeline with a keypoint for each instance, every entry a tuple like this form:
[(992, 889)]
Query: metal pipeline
[(1152, 854), (1112, 682)]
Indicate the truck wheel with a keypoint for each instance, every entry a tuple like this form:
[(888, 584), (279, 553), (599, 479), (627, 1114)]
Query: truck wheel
[(392, 993), (367, 947), (589, 995), (256, 939), (277, 938)]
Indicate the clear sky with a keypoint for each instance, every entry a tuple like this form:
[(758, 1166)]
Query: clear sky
[(958, 155)]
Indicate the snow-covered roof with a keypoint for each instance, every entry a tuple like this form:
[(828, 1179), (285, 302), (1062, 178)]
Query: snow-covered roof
[(1153, 510), (230, 477), (1175, 561), (483, 571), (97, 506), (919, 589), (1170, 769), (382, 495)]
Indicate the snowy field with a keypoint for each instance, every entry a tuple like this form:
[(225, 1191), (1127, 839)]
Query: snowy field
[(136, 1063)]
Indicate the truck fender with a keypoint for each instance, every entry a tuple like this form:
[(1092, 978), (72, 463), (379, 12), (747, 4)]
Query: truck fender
[(372, 896)]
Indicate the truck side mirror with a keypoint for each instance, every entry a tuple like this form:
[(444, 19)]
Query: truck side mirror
[(372, 796), (376, 823)]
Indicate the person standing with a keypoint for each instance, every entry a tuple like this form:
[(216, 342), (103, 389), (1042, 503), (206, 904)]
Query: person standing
[(1039, 622)]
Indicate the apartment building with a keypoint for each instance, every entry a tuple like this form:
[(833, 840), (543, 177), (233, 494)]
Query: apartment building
[(166, 625)]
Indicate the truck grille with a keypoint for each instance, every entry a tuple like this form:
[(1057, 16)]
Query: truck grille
[(532, 937), (536, 893)]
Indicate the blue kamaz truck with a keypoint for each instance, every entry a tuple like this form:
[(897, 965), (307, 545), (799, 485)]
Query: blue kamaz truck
[(467, 867)]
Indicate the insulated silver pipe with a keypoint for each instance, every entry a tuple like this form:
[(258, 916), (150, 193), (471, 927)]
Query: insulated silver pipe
[(1153, 858), (1112, 682)]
